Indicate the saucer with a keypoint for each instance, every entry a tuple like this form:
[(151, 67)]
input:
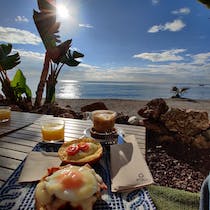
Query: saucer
[(104, 138)]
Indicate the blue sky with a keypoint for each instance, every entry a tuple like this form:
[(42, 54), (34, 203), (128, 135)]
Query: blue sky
[(136, 40)]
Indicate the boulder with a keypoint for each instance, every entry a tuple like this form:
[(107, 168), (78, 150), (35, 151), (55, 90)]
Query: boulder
[(55, 110), (154, 109), (94, 106), (201, 142), (133, 120), (121, 118), (186, 122)]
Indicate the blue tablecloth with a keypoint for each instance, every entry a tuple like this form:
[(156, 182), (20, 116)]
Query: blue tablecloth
[(19, 196)]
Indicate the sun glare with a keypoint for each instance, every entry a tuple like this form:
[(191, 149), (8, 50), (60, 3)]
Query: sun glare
[(62, 11)]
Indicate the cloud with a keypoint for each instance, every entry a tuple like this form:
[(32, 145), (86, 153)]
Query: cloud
[(30, 54), (169, 55), (85, 25), (181, 11), (17, 36), (21, 19), (174, 26), (155, 1), (172, 72), (201, 58), (180, 67)]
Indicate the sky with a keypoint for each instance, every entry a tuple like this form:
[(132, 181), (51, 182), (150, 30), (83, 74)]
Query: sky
[(136, 40)]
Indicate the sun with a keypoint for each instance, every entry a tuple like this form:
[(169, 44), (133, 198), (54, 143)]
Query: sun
[(62, 11)]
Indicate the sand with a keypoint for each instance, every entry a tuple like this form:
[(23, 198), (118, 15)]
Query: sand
[(131, 107)]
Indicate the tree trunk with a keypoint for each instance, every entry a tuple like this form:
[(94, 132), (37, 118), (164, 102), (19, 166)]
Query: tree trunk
[(50, 89), (42, 81)]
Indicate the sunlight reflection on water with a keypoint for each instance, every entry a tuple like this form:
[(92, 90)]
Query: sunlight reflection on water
[(69, 89)]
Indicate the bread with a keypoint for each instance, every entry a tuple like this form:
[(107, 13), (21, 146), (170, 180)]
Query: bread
[(80, 151), (69, 187)]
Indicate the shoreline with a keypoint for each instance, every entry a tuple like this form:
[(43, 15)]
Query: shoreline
[(131, 107)]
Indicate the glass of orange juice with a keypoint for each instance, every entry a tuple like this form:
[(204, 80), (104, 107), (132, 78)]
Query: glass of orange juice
[(5, 113), (52, 129)]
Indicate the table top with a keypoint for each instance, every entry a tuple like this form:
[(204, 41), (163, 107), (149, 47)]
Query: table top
[(19, 136), (22, 135)]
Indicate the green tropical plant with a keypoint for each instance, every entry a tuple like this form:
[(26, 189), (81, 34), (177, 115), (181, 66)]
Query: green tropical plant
[(20, 87), (15, 91), (56, 55), (7, 62), (178, 92)]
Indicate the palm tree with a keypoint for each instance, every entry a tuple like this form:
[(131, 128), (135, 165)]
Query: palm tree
[(56, 55), (178, 91)]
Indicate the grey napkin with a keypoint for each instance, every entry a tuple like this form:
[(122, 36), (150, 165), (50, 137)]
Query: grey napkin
[(36, 165), (129, 169)]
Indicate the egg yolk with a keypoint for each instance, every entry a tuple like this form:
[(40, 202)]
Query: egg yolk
[(71, 180)]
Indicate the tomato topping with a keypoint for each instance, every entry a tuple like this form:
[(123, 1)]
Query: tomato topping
[(72, 180), (72, 149), (83, 146), (52, 170)]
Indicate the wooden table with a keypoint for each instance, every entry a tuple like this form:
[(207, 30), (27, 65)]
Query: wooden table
[(22, 133)]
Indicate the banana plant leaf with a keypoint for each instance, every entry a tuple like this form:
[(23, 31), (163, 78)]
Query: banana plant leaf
[(46, 24), (46, 5), (7, 61), (69, 58), (5, 49), (19, 85), (60, 51), (206, 2), (47, 27), (77, 54)]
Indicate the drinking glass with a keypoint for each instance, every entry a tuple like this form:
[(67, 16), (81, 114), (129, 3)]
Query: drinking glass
[(52, 129), (103, 120), (5, 113)]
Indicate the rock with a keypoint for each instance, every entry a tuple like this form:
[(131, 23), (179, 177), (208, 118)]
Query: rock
[(133, 120), (68, 106), (15, 108), (206, 134), (154, 126), (121, 118), (186, 122), (66, 115), (154, 109), (94, 106), (55, 110), (201, 142)]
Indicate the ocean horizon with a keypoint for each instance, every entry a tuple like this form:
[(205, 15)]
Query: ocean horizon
[(73, 89)]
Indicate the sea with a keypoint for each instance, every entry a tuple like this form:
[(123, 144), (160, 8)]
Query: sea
[(72, 89)]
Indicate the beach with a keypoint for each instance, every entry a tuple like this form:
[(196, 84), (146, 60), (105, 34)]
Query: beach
[(131, 107)]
